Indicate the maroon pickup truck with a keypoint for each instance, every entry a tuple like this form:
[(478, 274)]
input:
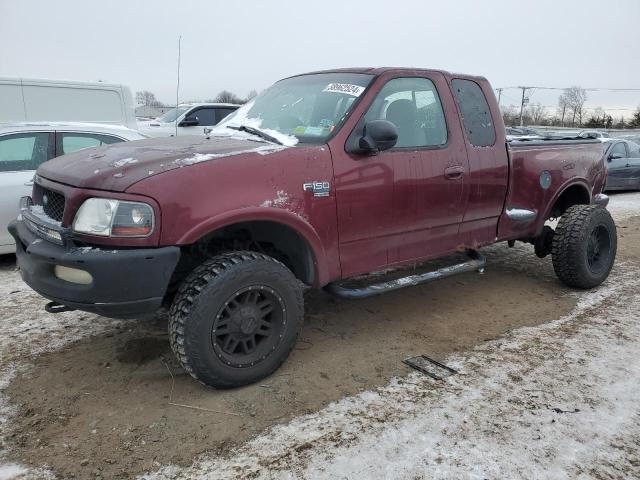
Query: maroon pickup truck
[(321, 178)]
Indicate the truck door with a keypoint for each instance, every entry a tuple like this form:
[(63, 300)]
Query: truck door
[(488, 177), (414, 192)]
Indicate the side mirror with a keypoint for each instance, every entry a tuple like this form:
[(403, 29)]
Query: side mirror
[(378, 135), (615, 156), (189, 122)]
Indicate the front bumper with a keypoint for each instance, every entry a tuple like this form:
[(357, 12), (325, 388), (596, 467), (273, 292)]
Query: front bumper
[(125, 282)]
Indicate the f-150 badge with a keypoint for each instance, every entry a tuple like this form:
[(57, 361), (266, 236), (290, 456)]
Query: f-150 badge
[(319, 189)]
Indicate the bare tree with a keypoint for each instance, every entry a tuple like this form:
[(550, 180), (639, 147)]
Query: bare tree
[(620, 123), (575, 98), (599, 119), (145, 97), (226, 96), (635, 119), (510, 115), (251, 95), (537, 113), (563, 103)]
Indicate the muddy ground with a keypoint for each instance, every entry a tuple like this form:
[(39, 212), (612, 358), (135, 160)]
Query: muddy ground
[(116, 404)]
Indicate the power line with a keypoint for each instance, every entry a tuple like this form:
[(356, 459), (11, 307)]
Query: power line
[(587, 89)]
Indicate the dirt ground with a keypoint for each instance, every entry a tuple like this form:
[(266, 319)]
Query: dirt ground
[(116, 404)]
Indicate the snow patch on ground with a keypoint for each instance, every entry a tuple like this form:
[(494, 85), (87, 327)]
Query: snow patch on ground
[(624, 205), (27, 331), (554, 401)]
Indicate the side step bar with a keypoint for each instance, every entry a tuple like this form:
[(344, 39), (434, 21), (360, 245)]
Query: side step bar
[(476, 262)]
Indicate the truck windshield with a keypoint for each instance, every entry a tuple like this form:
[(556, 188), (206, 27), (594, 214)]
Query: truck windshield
[(171, 115), (308, 107)]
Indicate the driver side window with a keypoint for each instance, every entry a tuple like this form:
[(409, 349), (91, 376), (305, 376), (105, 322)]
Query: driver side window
[(206, 116), (413, 106)]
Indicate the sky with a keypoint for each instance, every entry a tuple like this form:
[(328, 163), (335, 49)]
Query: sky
[(245, 45)]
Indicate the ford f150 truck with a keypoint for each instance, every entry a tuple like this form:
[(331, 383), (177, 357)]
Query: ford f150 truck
[(321, 178)]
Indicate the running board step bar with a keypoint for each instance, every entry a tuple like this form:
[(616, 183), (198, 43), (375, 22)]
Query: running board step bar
[(476, 262)]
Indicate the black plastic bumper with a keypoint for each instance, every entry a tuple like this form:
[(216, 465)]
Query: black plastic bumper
[(125, 282)]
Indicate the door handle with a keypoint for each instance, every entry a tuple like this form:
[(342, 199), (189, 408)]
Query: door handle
[(454, 173)]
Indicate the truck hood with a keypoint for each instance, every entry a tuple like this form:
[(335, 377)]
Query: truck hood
[(118, 166)]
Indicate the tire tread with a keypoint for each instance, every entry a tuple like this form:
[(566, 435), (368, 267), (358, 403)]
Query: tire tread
[(187, 297)]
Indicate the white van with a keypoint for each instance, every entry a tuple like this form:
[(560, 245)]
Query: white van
[(30, 100)]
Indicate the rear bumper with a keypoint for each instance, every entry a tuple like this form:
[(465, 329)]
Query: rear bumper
[(124, 282)]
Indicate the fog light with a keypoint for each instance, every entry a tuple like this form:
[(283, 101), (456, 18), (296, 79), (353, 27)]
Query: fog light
[(72, 275)]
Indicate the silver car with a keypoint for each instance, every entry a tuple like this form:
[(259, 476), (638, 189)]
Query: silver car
[(24, 146)]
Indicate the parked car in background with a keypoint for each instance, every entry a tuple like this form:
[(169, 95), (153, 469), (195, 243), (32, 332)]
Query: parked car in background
[(623, 164), (187, 119), (31, 100), (24, 146), (521, 133), (631, 137), (593, 134)]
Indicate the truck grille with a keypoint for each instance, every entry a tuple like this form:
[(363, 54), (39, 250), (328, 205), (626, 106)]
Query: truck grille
[(52, 202)]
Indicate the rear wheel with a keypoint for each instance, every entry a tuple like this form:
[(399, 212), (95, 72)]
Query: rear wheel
[(584, 246), (236, 318)]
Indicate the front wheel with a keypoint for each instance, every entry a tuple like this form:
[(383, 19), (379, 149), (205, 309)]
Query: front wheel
[(235, 319), (584, 246)]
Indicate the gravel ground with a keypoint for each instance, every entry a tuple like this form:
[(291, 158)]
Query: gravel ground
[(555, 400)]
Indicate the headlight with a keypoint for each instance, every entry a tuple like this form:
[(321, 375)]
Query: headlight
[(114, 218)]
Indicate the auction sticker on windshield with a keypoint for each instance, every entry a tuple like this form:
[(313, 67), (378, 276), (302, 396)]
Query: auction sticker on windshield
[(347, 88)]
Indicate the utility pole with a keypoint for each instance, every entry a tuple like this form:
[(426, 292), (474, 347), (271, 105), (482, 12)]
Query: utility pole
[(499, 95), (178, 85), (524, 101)]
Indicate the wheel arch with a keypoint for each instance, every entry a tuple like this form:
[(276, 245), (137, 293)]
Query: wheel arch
[(288, 232), (574, 192)]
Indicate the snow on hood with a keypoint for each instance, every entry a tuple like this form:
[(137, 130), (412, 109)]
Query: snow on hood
[(118, 166), (240, 118)]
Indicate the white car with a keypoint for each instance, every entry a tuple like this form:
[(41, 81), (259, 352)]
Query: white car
[(187, 119), (24, 146)]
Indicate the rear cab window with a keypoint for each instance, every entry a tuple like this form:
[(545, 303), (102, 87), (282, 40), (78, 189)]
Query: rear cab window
[(476, 115)]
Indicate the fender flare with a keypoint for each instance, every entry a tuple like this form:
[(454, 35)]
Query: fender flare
[(261, 214), (572, 182)]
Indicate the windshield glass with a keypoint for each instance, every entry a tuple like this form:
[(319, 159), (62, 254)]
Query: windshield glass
[(308, 107), (171, 115)]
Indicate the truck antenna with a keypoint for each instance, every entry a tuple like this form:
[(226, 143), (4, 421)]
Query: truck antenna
[(178, 86)]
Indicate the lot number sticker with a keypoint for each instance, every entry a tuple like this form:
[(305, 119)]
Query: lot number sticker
[(354, 90)]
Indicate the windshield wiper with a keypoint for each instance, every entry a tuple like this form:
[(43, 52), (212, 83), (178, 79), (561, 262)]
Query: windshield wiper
[(255, 131)]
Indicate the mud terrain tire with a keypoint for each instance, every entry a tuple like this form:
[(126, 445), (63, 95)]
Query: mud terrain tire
[(584, 246), (236, 318)]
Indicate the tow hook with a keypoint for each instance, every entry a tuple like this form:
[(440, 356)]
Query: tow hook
[(55, 307)]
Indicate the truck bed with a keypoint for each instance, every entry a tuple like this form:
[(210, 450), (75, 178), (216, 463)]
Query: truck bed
[(540, 172)]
